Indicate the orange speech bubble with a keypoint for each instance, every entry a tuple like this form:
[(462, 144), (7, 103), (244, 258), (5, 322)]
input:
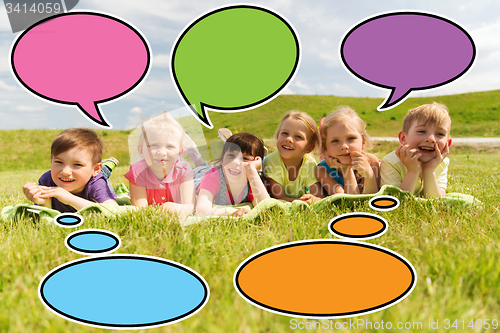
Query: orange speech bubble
[(325, 278), (358, 225), (384, 203)]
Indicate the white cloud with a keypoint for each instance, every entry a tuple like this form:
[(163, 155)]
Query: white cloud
[(161, 60), (28, 108), (136, 110), (7, 87)]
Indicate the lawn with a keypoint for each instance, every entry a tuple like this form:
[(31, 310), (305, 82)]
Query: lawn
[(454, 249)]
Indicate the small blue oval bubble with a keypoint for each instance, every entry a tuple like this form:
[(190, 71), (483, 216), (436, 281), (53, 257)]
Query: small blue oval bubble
[(92, 241), (68, 220), (123, 291)]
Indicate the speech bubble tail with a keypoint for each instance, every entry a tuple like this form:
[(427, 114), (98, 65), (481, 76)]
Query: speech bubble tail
[(91, 110), (202, 115), (397, 96)]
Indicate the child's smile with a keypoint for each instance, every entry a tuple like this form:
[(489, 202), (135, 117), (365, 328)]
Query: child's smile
[(73, 169), (426, 138), (292, 140)]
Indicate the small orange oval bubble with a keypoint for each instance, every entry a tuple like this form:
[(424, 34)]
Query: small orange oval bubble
[(325, 279), (358, 225), (384, 203)]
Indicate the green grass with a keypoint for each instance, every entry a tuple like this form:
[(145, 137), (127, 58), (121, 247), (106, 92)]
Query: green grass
[(454, 250)]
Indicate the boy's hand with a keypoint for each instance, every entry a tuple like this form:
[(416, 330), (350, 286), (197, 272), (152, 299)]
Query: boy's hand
[(361, 163), (33, 192), (57, 192), (436, 160), (409, 158)]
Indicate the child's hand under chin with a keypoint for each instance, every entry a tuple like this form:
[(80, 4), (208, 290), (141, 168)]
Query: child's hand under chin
[(360, 163), (436, 160), (409, 158), (333, 162)]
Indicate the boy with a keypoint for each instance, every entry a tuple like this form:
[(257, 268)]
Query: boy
[(74, 180), (420, 164)]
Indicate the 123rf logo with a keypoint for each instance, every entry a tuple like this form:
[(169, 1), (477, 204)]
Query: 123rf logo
[(24, 13)]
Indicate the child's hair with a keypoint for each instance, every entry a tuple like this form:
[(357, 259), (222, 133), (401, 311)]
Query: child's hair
[(306, 120), (342, 114), (434, 113), (83, 138), (162, 122), (247, 143)]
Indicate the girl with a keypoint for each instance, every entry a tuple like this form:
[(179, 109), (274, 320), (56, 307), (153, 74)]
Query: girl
[(160, 177), (347, 168), (236, 180), (290, 170)]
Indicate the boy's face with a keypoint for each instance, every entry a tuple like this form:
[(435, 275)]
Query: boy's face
[(424, 138), (162, 152), (73, 169)]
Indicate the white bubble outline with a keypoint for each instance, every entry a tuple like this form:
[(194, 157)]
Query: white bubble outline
[(389, 197), (92, 231), (392, 89), (129, 256), (68, 225), (266, 100), (360, 214), (105, 123), (325, 241)]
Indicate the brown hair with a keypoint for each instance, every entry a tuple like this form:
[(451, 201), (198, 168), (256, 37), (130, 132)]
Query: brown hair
[(83, 138), (245, 142), (307, 121), (434, 113), (342, 114)]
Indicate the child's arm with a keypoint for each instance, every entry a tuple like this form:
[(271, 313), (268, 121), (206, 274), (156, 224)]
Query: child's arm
[(34, 192), (68, 198), (186, 206), (315, 194), (204, 206), (431, 187), (367, 166), (138, 195), (347, 172), (327, 182), (277, 191), (258, 188), (409, 158)]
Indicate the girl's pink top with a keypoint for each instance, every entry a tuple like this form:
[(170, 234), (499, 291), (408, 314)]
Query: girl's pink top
[(211, 183), (160, 191)]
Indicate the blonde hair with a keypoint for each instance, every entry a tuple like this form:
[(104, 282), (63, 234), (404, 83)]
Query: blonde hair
[(435, 113), (342, 114), (163, 122), (307, 121)]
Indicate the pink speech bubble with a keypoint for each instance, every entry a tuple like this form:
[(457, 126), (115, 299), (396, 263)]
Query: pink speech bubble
[(82, 59), (407, 51)]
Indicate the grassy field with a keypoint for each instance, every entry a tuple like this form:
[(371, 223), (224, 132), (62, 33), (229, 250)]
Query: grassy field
[(454, 249)]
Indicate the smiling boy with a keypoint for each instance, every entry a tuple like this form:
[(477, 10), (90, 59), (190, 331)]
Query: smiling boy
[(419, 164), (74, 180)]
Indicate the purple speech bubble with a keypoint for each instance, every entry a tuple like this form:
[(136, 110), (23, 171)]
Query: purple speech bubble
[(82, 59), (406, 51)]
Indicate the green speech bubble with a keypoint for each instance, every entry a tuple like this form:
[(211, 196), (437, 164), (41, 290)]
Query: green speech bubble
[(233, 59)]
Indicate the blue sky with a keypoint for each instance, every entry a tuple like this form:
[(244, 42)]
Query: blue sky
[(319, 24)]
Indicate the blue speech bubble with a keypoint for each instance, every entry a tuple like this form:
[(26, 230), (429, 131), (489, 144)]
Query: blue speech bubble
[(92, 241), (123, 291), (68, 220)]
